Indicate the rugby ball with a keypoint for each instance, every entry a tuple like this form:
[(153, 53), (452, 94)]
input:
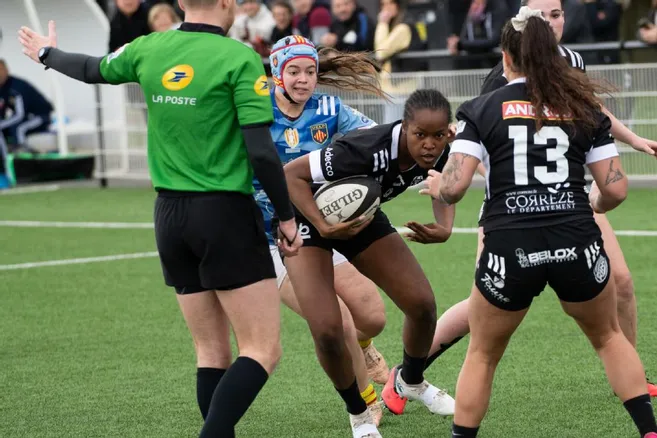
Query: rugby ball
[(348, 198)]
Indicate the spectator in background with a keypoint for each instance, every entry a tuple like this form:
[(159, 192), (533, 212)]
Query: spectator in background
[(604, 17), (23, 110), (481, 31), (577, 29), (648, 26), (254, 26), (282, 13), (163, 17), (394, 34), (129, 22), (312, 19), (351, 29)]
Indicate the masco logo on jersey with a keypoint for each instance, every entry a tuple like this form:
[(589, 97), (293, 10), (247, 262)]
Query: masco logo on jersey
[(543, 257), (178, 77)]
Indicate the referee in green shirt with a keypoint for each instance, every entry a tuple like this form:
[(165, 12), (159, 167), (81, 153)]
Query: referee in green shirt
[(208, 133)]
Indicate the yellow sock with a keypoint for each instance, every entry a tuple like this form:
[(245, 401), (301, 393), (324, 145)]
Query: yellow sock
[(369, 395), (366, 343)]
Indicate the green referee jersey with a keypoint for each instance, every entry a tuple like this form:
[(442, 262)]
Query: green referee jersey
[(201, 88)]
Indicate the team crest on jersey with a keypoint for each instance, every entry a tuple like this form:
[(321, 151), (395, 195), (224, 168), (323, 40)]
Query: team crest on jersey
[(319, 133), (292, 137), (261, 86), (178, 77)]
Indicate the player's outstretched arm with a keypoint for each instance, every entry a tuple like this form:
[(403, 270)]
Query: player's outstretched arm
[(457, 176), (625, 134), (80, 67)]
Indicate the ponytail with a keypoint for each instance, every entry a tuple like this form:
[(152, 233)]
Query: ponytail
[(355, 71), (551, 82)]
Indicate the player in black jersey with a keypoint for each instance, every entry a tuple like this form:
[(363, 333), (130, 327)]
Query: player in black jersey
[(534, 136), (397, 155), (453, 323)]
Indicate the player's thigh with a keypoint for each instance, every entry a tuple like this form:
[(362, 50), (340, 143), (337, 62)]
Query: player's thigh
[(209, 327), (491, 325), (392, 266), (619, 269), (311, 275), (180, 265), (226, 230), (359, 293)]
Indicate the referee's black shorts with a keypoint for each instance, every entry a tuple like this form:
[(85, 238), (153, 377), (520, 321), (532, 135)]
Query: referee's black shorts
[(211, 241), (516, 265)]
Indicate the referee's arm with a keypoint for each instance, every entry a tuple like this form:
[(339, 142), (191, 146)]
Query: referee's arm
[(80, 67), (268, 168)]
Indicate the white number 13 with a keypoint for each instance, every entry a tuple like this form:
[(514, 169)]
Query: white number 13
[(556, 154)]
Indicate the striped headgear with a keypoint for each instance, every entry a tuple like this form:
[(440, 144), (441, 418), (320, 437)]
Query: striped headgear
[(287, 49)]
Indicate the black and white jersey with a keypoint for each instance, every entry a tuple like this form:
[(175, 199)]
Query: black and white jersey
[(533, 178), (496, 79), (369, 152)]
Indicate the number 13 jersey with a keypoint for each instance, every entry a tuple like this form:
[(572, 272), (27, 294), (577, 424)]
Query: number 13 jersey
[(534, 178)]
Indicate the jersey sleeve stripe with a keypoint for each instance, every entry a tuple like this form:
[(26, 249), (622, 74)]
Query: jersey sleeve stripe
[(325, 108), (601, 153), (332, 105), (315, 160), (468, 147)]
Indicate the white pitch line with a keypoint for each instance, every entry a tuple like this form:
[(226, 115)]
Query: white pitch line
[(633, 233), (42, 224), (81, 261), (31, 189), (149, 225)]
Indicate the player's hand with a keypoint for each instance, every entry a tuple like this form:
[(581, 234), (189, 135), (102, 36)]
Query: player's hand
[(429, 233), (329, 40), (289, 240), (32, 42), (644, 145), (594, 194), (345, 230), (431, 185)]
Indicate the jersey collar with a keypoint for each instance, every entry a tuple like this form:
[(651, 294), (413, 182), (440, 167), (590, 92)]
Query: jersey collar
[(202, 27), (518, 81)]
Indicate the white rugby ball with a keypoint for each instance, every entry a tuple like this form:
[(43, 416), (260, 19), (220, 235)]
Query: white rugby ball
[(348, 198)]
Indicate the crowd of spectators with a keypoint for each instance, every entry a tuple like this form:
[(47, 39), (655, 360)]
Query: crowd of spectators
[(473, 26)]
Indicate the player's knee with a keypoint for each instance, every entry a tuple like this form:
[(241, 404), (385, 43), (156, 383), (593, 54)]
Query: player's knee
[(423, 311), (330, 341), (213, 354), (624, 286), (374, 323)]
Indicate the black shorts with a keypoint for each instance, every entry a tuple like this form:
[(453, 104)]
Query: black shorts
[(211, 241), (515, 265), (377, 229)]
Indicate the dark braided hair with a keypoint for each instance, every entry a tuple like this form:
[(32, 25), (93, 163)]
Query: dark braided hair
[(426, 99)]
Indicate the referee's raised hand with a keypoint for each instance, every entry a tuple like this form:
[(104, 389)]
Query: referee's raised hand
[(32, 42)]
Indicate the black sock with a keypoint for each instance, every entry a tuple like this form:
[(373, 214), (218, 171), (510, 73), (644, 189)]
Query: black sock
[(351, 396), (443, 348), (233, 396), (412, 370), (207, 380), (464, 432), (640, 409)]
